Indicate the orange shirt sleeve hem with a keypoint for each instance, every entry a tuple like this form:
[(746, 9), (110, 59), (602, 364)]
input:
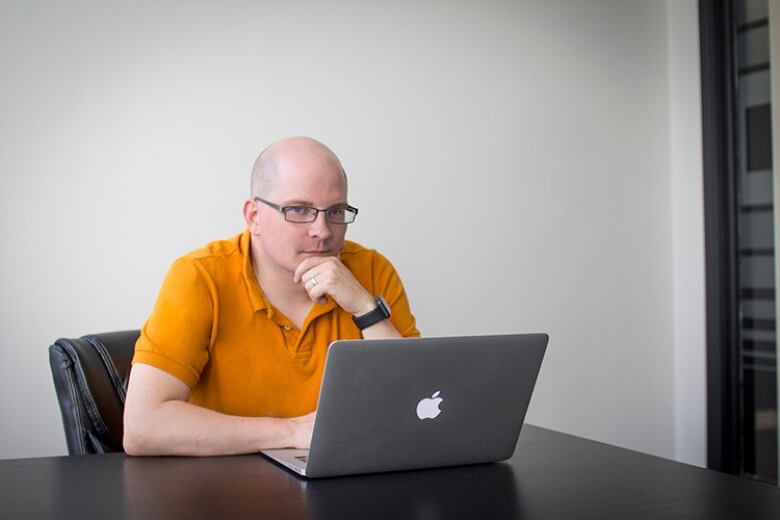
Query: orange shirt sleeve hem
[(165, 364)]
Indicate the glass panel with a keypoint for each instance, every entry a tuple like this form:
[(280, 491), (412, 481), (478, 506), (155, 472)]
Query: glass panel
[(756, 188), (754, 88), (756, 230), (755, 225), (757, 271), (750, 10), (758, 309), (753, 47)]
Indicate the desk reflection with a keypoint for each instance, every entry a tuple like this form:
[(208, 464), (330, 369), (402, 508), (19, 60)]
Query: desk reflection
[(480, 491), (252, 487), (215, 487)]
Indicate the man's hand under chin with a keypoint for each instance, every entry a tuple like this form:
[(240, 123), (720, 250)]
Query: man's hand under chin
[(324, 276)]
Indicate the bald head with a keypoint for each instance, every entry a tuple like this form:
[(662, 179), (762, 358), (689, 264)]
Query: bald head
[(289, 153)]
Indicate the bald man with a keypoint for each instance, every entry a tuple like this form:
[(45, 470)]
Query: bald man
[(231, 359)]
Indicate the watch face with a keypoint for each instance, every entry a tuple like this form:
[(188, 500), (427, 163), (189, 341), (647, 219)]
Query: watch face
[(382, 303)]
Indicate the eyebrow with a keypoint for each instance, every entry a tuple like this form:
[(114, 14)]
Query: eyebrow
[(310, 204)]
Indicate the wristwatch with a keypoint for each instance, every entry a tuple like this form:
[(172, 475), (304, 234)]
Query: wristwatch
[(381, 312)]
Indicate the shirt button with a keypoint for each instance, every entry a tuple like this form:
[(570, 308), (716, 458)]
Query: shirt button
[(287, 328)]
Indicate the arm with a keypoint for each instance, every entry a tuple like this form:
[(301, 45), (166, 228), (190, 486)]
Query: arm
[(158, 420), (381, 330)]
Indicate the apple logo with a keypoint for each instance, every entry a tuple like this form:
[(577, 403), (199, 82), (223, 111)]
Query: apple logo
[(428, 408)]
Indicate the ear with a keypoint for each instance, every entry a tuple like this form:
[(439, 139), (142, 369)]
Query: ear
[(251, 217)]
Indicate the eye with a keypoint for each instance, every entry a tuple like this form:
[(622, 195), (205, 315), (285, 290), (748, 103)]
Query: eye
[(299, 214)]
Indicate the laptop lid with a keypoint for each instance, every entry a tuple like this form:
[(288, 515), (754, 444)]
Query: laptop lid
[(400, 404)]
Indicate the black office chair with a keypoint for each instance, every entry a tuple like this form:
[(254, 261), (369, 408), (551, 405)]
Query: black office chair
[(90, 377)]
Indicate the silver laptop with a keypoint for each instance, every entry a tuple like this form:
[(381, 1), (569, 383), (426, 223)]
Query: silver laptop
[(399, 404)]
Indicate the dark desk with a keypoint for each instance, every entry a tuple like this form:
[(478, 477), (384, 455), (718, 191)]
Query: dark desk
[(552, 475)]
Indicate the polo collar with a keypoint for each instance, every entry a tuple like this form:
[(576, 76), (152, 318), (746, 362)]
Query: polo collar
[(256, 296), (253, 288)]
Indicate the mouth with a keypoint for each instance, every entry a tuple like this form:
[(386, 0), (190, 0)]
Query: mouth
[(317, 252)]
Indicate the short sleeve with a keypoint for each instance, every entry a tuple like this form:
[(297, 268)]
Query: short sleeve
[(388, 283), (177, 336)]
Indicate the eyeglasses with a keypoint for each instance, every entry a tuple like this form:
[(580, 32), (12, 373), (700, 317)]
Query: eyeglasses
[(342, 214)]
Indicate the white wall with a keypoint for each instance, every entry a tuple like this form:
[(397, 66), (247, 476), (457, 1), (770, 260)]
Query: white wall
[(685, 151), (511, 158)]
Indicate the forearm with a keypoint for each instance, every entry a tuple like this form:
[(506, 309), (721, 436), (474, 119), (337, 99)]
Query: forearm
[(381, 330), (159, 420), (180, 428)]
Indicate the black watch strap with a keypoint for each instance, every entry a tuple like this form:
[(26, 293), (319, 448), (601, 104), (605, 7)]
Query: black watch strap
[(381, 312)]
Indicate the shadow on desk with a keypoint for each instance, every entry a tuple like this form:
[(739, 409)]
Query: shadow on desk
[(176, 488), (458, 492)]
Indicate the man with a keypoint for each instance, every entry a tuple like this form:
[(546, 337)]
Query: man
[(231, 359)]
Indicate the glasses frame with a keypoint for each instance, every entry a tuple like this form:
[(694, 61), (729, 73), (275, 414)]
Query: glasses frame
[(283, 210)]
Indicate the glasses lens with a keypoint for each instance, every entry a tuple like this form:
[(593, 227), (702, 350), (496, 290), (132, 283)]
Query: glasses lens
[(300, 214), (341, 215)]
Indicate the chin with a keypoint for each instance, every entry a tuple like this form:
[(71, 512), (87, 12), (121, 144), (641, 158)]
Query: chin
[(306, 254)]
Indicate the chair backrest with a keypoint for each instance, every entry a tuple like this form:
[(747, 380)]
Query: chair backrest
[(90, 377)]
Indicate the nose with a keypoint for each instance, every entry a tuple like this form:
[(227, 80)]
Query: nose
[(320, 227)]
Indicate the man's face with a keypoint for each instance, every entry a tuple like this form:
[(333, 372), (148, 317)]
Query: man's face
[(311, 179)]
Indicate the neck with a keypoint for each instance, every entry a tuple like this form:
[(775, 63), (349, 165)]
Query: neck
[(277, 283)]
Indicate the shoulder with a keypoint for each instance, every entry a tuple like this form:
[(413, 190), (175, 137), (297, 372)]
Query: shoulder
[(217, 260), (369, 266), (356, 255), (216, 249)]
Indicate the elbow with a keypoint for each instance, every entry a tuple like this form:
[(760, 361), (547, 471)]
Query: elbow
[(131, 448), (136, 441), (132, 445), (132, 442)]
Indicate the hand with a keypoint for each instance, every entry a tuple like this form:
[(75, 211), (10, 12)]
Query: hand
[(302, 429), (327, 276)]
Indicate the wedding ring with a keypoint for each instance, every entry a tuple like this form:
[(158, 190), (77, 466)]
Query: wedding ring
[(313, 281)]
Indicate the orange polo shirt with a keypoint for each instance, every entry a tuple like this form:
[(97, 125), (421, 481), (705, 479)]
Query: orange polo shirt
[(213, 329)]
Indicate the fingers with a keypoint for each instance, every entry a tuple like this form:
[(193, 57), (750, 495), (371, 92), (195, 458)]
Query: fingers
[(308, 264), (317, 288), (318, 276), (324, 277)]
